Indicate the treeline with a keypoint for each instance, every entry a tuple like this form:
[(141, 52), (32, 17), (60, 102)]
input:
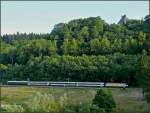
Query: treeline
[(21, 51), (92, 36), (110, 68), (82, 50), (8, 38)]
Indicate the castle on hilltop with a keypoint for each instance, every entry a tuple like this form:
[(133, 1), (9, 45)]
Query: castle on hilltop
[(124, 19)]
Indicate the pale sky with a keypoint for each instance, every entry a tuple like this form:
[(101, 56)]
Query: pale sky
[(41, 16)]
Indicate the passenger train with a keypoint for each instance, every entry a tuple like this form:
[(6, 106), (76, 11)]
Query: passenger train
[(67, 84)]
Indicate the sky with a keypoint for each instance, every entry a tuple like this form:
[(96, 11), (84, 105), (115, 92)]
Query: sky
[(41, 16)]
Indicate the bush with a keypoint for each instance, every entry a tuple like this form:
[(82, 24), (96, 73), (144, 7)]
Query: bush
[(86, 108), (45, 103), (12, 108), (96, 109), (72, 108), (104, 100)]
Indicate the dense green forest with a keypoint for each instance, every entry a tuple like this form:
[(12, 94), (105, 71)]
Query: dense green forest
[(86, 49)]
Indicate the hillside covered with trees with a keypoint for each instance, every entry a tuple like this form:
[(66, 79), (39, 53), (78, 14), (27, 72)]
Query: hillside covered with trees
[(86, 49)]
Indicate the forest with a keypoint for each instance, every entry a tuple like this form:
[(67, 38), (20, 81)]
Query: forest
[(87, 49)]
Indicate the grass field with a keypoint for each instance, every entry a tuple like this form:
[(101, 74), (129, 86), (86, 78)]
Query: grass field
[(129, 100)]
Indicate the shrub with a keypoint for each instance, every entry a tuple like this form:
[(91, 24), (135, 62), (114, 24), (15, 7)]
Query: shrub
[(84, 108), (96, 109), (63, 101), (12, 108), (72, 108), (104, 100), (43, 103)]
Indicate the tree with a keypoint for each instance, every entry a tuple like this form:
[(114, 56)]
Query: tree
[(84, 33), (133, 46), (117, 45), (103, 99), (67, 34), (105, 45), (70, 47), (94, 32), (146, 45), (95, 46), (144, 76), (141, 38), (8, 52), (130, 46), (51, 48), (65, 46), (97, 28), (73, 47), (3, 70), (99, 25)]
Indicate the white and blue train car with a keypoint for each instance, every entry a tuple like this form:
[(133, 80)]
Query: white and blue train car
[(67, 84), (17, 82)]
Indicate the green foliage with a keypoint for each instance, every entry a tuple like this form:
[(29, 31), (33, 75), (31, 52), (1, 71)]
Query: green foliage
[(97, 28), (144, 75), (70, 46), (45, 103), (85, 49), (147, 96), (81, 97), (117, 45), (130, 46), (104, 100), (84, 33), (144, 71), (141, 38), (116, 68), (95, 46), (12, 108), (96, 109), (105, 45), (81, 108)]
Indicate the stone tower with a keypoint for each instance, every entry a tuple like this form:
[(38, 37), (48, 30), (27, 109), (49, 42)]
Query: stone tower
[(124, 19)]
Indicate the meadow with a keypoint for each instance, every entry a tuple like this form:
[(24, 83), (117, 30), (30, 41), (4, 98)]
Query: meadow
[(128, 100)]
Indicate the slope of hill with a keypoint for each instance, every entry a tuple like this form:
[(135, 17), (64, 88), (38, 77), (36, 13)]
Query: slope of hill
[(86, 49)]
